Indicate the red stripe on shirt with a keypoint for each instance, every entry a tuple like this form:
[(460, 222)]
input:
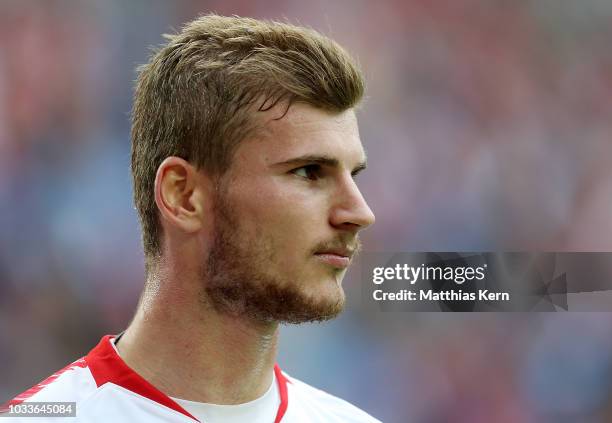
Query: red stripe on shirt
[(282, 389)]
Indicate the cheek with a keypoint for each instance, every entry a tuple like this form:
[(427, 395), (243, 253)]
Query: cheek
[(290, 219), (281, 203)]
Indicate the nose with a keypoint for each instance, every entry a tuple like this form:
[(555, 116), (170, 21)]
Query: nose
[(350, 211)]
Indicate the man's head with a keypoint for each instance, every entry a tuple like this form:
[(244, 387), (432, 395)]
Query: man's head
[(244, 137)]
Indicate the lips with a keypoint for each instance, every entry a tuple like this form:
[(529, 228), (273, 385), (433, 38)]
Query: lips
[(336, 257)]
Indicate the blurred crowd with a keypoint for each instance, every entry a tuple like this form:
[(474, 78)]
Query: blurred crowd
[(487, 124)]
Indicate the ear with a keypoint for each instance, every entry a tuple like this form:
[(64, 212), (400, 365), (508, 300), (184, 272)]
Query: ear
[(181, 195)]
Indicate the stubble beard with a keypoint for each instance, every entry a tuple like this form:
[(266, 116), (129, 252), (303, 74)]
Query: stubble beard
[(238, 279)]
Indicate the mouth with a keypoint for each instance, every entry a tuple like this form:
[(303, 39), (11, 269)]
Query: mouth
[(339, 258)]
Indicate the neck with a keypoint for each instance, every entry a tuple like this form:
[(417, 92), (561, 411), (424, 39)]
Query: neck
[(190, 351)]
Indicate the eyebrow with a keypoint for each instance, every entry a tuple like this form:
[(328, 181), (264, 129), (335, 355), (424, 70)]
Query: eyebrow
[(322, 160)]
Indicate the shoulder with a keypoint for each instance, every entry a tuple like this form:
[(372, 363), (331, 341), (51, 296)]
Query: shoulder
[(103, 388), (71, 384), (329, 408)]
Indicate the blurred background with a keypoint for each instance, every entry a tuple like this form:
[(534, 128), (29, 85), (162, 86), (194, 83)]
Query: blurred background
[(488, 126)]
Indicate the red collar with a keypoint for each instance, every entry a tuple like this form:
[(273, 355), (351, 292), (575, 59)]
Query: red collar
[(106, 366)]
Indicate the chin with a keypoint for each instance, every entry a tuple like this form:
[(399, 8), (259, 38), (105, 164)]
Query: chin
[(328, 291)]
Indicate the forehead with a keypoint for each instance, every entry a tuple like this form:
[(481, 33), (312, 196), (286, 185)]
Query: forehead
[(305, 130)]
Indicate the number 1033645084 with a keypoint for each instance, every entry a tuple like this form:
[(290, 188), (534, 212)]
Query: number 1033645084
[(37, 409)]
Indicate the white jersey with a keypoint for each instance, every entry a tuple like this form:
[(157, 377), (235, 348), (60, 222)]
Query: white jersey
[(105, 389)]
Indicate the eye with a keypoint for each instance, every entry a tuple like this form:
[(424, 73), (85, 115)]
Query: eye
[(357, 171), (312, 172)]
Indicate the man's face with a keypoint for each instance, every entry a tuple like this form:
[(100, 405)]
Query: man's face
[(286, 219)]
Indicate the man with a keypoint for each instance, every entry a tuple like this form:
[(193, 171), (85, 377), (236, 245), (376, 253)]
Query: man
[(244, 151)]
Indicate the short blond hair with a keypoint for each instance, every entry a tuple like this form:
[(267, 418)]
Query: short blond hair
[(193, 98)]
